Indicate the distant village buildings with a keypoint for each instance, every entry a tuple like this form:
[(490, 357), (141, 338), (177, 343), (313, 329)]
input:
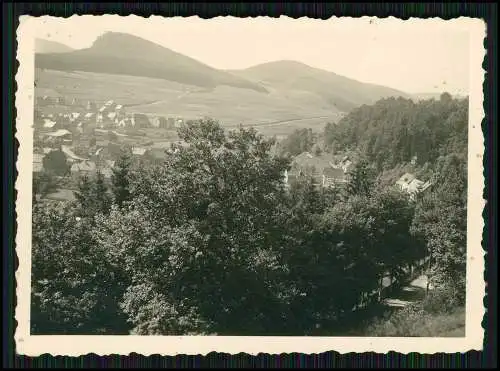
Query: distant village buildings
[(91, 134), (324, 171)]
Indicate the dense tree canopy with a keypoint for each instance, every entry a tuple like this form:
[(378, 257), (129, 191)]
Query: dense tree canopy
[(210, 241), (392, 131)]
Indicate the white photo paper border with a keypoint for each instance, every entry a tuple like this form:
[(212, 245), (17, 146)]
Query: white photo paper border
[(35, 345)]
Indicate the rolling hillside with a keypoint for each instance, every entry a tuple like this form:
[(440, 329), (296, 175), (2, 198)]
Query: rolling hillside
[(148, 78), (123, 54), (43, 46), (338, 91)]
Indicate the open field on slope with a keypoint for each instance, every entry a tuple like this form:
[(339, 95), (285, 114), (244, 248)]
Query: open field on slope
[(231, 106)]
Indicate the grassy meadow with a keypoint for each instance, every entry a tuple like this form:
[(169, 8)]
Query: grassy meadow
[(274, 113)]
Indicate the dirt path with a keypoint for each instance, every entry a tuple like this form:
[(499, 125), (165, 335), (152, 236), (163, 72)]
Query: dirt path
[(408, 294)]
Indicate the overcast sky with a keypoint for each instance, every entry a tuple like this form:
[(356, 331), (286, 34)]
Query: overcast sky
[(417, 56)]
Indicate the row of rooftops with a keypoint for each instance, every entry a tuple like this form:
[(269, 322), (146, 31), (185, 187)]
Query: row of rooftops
[(325, 170), (109, 113)]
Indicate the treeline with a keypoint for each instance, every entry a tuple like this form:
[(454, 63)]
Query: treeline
[(211, 242), (428, 139), (393, 131)]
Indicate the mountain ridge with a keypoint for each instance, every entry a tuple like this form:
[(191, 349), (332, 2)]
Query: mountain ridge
[(124, 54), (119, 53), (341, 91)]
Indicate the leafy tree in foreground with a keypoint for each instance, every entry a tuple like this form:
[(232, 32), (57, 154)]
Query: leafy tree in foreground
[(75, 287), (92, 195), (201, 239), (361, 178), (441, 219)]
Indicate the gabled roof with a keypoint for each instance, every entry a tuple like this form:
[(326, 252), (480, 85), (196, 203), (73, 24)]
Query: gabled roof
[(37, 167), (139, 151), (119, 134), (68, 152), (38, 157), (83, 166), (107, 172), (48, 123), (418, 186), (110, 163), (59, 133), (306, 159), (407, 178)]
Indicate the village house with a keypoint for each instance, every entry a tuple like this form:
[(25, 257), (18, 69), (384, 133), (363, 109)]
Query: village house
[(91, 107), (414, 160), (334, 177), (409, 184), (106, 169), (71, 157), (345, 164), (107, 172), (45, 101), (106, 120), (178, 123), (77, 103), (38, 162), (49, 124), (156, 121), (139, 151), (74, 116), (89, 116), (141, 121), (170, 123), (83, 168), (320, 168), (110, 104), (120, 112), (162, 122), (60, 100), (112, 118)]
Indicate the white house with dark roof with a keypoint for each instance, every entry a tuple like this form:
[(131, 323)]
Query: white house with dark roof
[(138, 151), (49, 124), (409, 184)]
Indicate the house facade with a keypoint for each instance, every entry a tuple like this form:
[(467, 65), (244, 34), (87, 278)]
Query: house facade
[(412, 186)]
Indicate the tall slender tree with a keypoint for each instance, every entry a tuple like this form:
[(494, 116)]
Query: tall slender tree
[(121, 177)]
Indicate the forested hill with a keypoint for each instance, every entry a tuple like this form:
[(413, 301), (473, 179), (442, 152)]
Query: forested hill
[(393, 131)]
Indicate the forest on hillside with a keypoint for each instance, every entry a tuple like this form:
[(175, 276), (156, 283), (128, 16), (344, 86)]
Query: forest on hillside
[(211, 241)]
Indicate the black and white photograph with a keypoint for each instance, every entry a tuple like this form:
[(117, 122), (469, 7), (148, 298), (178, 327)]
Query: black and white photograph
[(304, 183)]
